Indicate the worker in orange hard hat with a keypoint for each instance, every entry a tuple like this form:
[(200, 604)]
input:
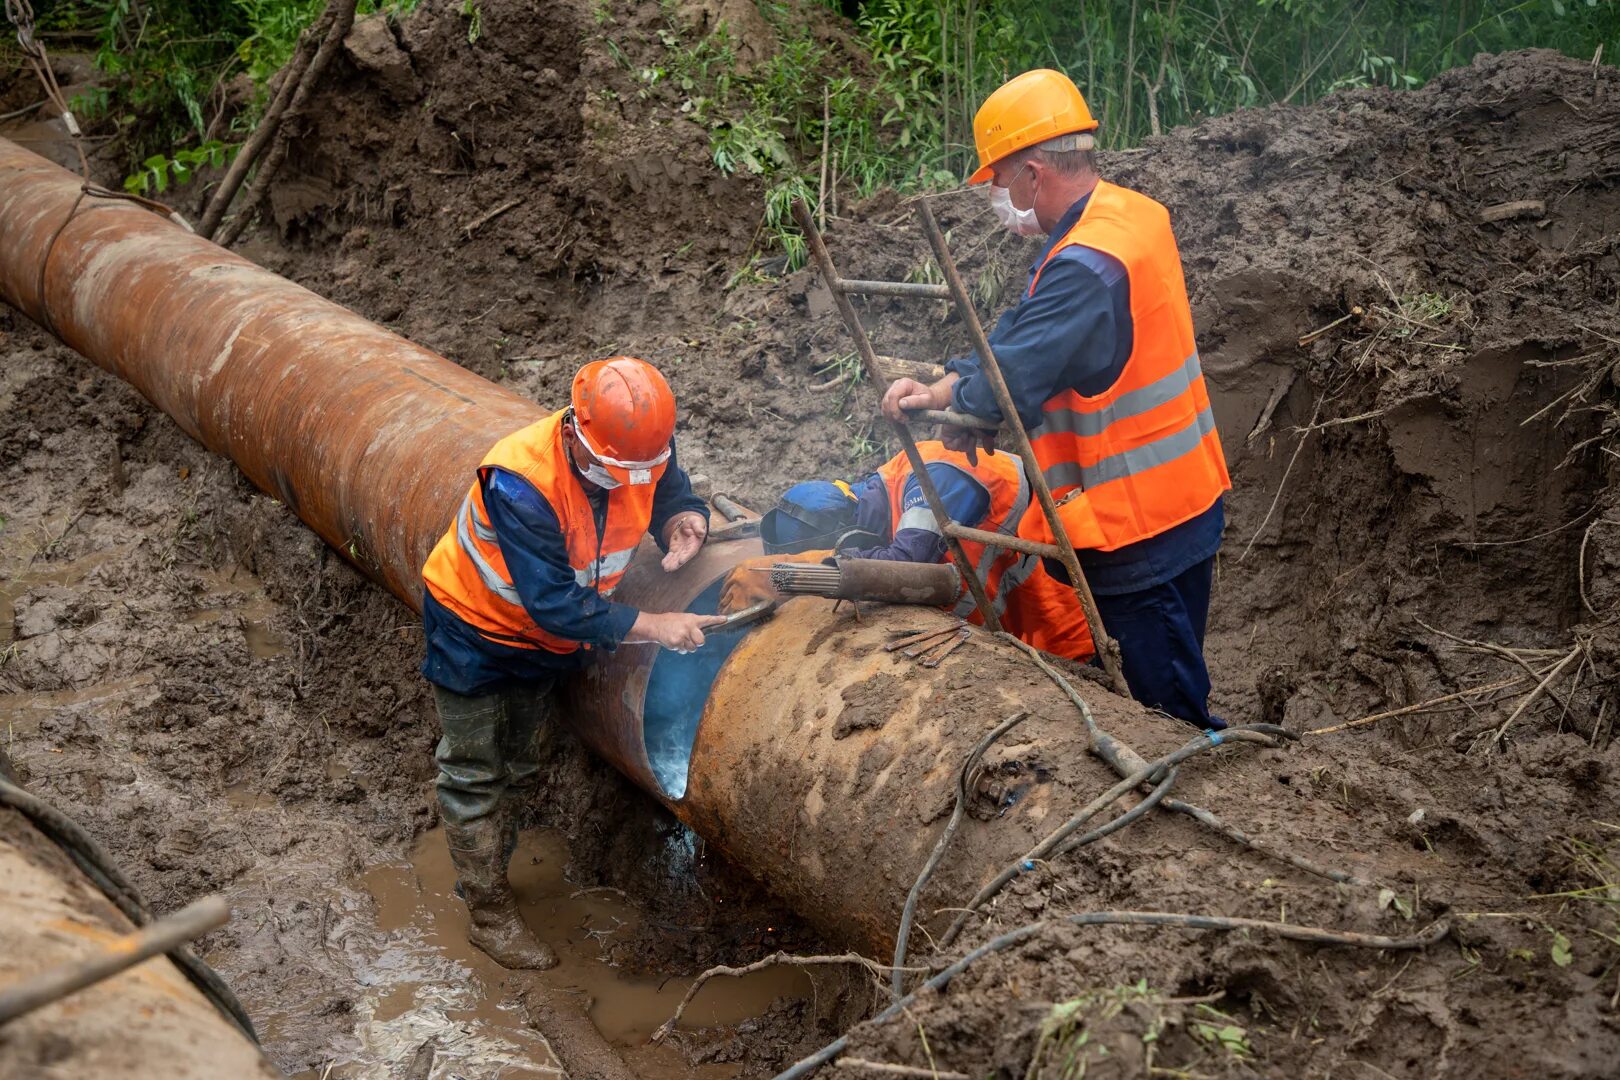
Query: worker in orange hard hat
[(519, 593), (1100, 359)]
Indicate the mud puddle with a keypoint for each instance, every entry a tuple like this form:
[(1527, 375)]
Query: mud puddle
[(424, 992)]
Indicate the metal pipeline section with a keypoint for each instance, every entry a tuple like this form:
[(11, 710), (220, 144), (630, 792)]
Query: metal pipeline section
[(145, 1023), (796, 745)]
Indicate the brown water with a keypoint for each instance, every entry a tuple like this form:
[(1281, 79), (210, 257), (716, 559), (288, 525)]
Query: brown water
[(427, 983)]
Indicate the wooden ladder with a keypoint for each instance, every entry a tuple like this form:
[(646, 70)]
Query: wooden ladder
[(956, 293)]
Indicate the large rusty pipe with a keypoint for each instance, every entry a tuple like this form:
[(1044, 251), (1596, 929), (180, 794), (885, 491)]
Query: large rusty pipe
[(820, 763), (145, 1023)]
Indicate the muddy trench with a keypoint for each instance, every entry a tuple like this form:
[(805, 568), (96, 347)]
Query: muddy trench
[(229, 706)]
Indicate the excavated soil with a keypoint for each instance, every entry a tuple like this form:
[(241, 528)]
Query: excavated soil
[(1425, 485)]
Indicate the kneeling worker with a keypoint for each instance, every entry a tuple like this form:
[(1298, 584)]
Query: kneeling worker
[(885, 516), (517, 596)]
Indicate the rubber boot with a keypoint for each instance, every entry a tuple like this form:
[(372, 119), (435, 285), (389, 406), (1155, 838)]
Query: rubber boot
[(478, 852)]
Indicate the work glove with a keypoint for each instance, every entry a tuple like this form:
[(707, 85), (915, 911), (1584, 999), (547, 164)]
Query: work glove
[(749, 581)]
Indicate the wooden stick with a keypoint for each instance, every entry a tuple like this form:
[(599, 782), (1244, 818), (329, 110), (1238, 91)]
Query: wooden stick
[(934, 659), (1420, 706), (342, 23), (912, 639), (190, 922), (863, 348), (890, 1069), (484, 219), (1107, 647)]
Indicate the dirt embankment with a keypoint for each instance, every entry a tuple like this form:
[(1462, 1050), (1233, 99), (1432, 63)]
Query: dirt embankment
[(229, 706)]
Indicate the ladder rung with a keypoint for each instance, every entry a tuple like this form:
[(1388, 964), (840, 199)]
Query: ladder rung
[(895, 367), (893, 288), (1016, 543), (954, 419)]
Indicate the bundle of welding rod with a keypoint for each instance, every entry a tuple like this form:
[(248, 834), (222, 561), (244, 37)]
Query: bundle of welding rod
[(809, 579), (932, 584)]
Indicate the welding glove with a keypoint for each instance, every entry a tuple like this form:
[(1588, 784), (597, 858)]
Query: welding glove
[(749, 581)]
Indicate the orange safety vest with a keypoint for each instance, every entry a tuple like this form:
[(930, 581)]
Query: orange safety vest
[(1143, 456), (467, 572), (1029, 602)]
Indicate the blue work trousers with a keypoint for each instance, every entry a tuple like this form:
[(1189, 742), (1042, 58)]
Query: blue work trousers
[(1160, 630)]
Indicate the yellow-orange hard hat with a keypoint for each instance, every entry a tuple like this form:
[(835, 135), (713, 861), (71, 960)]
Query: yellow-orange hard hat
[(1026, 111)]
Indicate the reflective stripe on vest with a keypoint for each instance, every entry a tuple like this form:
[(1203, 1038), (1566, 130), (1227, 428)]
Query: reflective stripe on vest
[(612, 564), (467, 571), (1130, 462), (491, 577), (1000, 476)]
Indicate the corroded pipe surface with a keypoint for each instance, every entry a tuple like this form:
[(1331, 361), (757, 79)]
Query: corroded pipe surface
[(145, 1023), (370, 439)]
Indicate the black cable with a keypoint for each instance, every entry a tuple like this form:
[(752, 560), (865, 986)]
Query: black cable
[(1152, 799), (1310, 934), (1156, 772), (897, 977), (100, 868)]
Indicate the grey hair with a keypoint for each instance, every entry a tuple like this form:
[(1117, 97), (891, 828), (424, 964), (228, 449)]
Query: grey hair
[(1070, 155)]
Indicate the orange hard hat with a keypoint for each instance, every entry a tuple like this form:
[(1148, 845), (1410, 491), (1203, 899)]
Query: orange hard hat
[(624, 413), (1026, 111)]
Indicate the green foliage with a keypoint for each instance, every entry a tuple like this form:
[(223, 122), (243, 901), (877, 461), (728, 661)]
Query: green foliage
[(159, 171), (475, 20), (166, 63), (1144, 65), (1217, 1029)]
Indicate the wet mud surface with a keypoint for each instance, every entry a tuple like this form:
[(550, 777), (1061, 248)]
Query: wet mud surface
[(229, 707)]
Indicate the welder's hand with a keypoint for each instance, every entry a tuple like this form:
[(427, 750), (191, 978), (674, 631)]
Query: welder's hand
[(683, 537), (747, 584), (968, 441), (675, 630), (904, 394)]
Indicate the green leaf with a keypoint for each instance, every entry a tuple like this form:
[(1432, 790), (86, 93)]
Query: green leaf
[(1561, 952)]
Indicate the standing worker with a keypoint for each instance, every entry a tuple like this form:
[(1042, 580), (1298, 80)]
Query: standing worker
[(885, 516), (1100, 359), (517, 596)]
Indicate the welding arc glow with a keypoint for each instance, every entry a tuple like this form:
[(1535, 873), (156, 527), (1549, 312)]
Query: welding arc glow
[(677, 690)]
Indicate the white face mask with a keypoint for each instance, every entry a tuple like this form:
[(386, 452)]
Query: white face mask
[(599, 476), (1014, 220)]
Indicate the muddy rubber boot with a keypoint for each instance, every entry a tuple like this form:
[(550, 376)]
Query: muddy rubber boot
[(497, 928)]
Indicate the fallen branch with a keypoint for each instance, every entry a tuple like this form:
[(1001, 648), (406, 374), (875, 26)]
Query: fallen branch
[(1160, 773), (292, 75), (779, 959), (1495, 650), (342, 22), (1281, 484), (1420, 706), (1508, 210), (1312, 935), (1535, 695), (1355, 313), (1124, 760)]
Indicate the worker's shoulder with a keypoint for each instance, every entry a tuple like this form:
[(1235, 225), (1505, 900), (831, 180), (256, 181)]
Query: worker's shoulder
[(1076, 264), (517, 492)]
